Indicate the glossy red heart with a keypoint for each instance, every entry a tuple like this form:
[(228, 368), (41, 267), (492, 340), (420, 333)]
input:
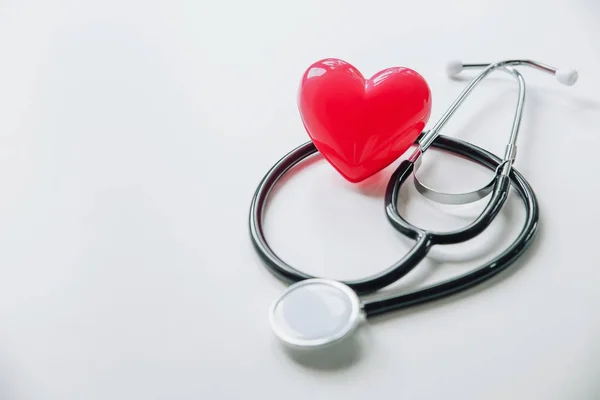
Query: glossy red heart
[(362, 125)]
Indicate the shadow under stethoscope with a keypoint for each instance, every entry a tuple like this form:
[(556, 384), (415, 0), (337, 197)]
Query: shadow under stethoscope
[(340, 355), (8, 387)]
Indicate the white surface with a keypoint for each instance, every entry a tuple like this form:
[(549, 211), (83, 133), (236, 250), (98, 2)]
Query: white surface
[(133, 134), (315, 312)]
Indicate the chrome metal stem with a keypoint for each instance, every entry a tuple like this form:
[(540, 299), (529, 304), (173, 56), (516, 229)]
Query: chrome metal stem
[(430, 136)]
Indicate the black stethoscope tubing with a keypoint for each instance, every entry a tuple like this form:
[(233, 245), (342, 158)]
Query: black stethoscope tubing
[(384, 303)]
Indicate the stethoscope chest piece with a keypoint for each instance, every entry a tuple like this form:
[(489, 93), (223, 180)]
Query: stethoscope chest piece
[(315, 313)]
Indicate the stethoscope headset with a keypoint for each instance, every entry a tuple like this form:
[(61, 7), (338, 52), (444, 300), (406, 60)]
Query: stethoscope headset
[(314, 312)]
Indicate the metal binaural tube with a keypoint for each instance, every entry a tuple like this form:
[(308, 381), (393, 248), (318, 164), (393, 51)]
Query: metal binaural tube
[(567, 77)]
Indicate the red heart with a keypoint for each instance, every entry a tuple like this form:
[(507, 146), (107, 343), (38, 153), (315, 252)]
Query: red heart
[(362, 125)]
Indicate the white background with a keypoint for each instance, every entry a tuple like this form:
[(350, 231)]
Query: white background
[(133, 134)]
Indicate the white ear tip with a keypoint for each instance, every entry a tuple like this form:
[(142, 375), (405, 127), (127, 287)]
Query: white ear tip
[(454, 68), (567, 76)]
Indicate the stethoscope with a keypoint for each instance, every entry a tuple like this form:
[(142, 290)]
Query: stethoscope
[(315, 312)]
